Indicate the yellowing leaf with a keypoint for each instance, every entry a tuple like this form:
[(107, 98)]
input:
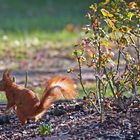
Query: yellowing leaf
[(122, 46), (111, 24), (105, 43), (78, 53), (82, 58), (105, 2), (130, 15), (122, 82), (125, 29), (106, 13), (93, 7), (91, 54), (118, 94), (69, 70), (128, 57)]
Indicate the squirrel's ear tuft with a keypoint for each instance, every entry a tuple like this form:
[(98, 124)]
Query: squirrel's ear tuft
[(9, 73), (6, 74)]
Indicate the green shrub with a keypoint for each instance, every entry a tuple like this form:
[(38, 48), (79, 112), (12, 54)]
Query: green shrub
[(110, 47)]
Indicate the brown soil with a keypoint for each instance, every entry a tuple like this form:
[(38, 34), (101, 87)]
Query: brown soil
[(71, 120)]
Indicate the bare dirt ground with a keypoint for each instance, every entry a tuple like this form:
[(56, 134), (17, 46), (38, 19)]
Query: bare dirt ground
[(44, 64), (69, 119)]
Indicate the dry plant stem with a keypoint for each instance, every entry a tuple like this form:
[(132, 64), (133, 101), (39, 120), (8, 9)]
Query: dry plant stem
[(101, 104), (80, 76), (81, 82), (135, 34), (14, 79), (110, 84), (118, 61), (97, 77), (97, 90), (26, 79), (96, 108), (134, 89), (97, 93), (100, 100), (138, 41), (136, 48)]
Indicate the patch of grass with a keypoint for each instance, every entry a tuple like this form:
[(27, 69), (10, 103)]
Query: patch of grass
[(89, 88), (2, 97), (39, 91), (20, 45)]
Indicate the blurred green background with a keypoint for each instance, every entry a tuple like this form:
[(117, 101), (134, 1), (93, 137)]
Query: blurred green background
[(41, 15), (31, 24)]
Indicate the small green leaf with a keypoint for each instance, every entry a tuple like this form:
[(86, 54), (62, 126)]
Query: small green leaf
[(93, 7), (45, 129), (130, 15)]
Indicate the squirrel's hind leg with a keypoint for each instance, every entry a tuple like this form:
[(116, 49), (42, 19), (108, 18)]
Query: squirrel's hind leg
[(21, 116)]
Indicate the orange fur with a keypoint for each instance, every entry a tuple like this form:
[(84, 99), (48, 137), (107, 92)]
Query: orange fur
[(25, 102)]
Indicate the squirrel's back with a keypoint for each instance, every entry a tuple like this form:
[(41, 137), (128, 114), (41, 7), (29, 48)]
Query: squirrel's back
[(68, 88)]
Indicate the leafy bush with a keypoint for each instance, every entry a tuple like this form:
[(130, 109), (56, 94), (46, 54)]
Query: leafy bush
[(111, 49)]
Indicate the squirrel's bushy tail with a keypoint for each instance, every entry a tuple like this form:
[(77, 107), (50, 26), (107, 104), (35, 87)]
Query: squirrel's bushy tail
[(57, 88)]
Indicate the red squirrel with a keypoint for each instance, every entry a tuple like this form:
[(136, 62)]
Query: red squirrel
[(25, 102)]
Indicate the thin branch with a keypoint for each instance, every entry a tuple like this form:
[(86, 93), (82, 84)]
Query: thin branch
[(137, 50), (118, 61), (81, 82), (110, 84), (80, 75), (26, 80)]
